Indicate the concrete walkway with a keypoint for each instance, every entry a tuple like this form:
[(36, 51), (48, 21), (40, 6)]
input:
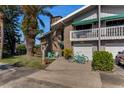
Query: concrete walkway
[(61, 73)]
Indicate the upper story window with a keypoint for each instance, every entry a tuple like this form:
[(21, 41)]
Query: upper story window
[(82, 27), (115, 22)]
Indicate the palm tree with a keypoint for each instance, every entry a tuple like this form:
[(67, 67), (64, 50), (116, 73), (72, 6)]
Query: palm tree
[(11, 25), (30, 23)]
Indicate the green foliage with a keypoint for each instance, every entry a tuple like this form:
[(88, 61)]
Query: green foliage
[(37, 46), (31, 23), (32, 20), (11, 26), (68, 53), (102, 61), (21, 49)]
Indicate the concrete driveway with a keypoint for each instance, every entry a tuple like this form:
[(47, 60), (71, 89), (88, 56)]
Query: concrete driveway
[(10, 73), (113, 79), (61, 74)]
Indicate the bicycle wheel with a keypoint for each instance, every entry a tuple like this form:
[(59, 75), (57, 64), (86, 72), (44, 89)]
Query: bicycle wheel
[(74, 58), (86, 58)]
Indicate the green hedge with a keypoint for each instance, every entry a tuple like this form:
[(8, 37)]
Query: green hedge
[(102, 61)]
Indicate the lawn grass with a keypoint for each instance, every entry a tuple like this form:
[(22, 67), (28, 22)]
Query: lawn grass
[(33, 62)]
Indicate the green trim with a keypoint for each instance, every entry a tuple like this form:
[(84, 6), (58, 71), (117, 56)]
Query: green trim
[(109, 18), (76, 23)]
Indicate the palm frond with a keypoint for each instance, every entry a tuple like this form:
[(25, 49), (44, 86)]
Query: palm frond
[(45, 12)]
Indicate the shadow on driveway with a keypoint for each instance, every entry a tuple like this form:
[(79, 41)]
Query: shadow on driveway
[(121, 66), (5, 67), (9, 66)]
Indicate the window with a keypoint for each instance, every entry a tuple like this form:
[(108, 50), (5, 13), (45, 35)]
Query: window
[(82, 27), (115, 22)]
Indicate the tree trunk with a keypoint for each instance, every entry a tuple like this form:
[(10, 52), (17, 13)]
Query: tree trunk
[(29, 46), (13, 48)]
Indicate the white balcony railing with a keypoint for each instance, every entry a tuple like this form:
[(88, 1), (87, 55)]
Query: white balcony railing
[(107, 33)]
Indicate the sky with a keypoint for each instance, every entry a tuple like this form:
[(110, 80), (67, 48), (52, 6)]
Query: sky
[(60, 10)]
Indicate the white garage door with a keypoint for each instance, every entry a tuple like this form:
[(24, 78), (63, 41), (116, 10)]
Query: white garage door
[(114, 49), (87, 51)]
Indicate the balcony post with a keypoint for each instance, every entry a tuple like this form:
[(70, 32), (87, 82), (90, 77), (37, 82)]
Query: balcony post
[(99, 26)]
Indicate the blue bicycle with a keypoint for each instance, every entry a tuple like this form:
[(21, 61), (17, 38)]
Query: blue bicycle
[(80, 58)]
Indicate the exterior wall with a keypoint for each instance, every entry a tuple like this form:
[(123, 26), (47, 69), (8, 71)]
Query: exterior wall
[(94, 44), (92, 14), (112, 43), (110, 10), (104, 43), (106, 10), (67, 42)]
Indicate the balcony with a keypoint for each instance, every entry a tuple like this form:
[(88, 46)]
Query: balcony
[(107, 33)]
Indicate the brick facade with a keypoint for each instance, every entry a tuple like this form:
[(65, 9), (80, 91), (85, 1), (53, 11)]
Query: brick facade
[(67, 42)]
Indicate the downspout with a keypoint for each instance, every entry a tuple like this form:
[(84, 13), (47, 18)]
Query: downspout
[(99, 26), (2, 35)]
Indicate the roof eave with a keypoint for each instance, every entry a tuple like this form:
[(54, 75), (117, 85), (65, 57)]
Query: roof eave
[(70, 15)]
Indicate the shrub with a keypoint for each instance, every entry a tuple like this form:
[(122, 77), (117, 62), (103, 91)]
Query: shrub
[(102, 61), (21, 49), (37, 46), (68, 53)]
